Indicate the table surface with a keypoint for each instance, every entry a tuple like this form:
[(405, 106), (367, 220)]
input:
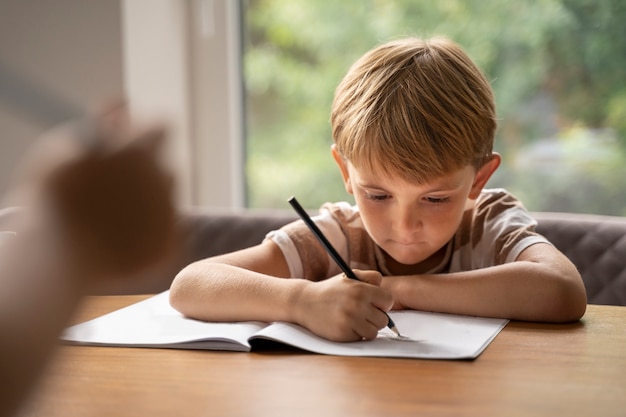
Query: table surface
[(576, 369)]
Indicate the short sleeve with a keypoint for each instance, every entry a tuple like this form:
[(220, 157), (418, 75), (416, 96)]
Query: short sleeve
[(305, 255), (494, 232)]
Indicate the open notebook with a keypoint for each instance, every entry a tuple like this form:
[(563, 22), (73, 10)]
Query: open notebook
[(154, 323)]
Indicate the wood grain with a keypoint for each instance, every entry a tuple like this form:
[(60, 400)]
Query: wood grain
[(533, 369)]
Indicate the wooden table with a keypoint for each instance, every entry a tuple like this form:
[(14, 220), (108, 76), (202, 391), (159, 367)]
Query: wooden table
[(529, 369)]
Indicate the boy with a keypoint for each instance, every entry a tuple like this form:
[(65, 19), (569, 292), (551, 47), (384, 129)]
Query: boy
[(413, 125)]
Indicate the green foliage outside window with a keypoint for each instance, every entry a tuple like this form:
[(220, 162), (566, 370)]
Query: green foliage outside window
[(558, 68)]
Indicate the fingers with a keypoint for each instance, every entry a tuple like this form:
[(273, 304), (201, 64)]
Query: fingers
[(114, 197), (150, 140), (343, 309), (368, 329), (354, 323), (381, 299), (359, 308), (114, 114), (369, 276)]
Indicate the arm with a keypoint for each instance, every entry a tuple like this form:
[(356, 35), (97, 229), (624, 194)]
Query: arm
[(541, 285), (71, 235), (253, 284)]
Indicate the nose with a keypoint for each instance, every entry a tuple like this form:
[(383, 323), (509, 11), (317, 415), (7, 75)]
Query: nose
[(407, 221)]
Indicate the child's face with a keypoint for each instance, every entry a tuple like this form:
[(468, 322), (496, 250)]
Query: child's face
[(412, 222)]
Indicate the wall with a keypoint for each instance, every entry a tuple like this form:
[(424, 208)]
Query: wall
[(55, 57), (178, 60)]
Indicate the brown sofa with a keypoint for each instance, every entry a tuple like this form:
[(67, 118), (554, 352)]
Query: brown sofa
[(596, 245)]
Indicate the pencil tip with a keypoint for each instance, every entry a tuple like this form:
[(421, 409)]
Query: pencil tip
[(396, 331)]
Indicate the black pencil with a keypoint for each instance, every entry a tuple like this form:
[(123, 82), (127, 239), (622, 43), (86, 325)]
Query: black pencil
[(331, 250)]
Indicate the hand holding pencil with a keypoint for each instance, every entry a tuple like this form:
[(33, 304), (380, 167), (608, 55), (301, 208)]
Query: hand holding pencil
[(348, 272)]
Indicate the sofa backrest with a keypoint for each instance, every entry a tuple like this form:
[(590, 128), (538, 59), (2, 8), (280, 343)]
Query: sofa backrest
[(212, 232), (596, 245)]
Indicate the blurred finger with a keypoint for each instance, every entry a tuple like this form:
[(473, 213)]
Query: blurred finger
[(114, 114)]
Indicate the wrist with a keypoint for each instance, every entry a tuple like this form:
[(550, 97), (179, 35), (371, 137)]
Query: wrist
[(400, 289), (296, 311)]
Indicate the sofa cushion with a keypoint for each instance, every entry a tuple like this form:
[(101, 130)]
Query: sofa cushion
[(596, 245)]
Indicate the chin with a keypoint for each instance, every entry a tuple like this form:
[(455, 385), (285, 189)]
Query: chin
[(407, 257)]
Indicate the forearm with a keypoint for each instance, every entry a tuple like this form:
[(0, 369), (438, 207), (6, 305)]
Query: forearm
[(221, 292), (39, 295), (518, 290)]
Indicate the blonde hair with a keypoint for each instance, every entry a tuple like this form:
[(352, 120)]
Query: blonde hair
[(416, 108)]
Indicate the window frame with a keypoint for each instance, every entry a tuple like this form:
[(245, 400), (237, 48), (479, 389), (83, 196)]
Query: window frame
[(182, 60)]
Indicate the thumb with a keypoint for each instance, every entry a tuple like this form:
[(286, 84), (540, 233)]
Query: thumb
[(369, 276)]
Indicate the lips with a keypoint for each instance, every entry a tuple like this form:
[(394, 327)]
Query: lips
[(406, 251), (405, 248), (400, 242)]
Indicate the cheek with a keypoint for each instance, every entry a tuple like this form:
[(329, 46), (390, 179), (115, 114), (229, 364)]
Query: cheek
[(448, 221), (368, 215)]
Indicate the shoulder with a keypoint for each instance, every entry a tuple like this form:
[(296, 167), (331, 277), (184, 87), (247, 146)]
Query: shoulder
[(498, 203), (330, 218), (342, 219), (499, 226), (498, 197), (342, 212), (305, 256)]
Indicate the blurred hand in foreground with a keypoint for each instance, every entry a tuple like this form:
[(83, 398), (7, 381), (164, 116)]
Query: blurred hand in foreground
[(101, 186), (96, 204)]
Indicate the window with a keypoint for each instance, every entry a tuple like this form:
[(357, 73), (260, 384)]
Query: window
[(557, 69)]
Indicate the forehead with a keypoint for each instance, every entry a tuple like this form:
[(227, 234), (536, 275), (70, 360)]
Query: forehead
[(390, 157), (378, 176)]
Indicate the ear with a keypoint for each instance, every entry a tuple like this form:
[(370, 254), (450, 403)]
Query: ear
[(484, 173), (343, 167)]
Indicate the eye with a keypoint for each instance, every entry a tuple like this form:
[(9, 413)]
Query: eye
[(437, 200), (377, 197)]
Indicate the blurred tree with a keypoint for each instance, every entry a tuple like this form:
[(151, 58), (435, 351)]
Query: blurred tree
[(555, 65), (588, 63)]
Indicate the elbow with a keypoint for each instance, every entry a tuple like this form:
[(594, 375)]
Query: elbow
[(190, 293), (179, 293), (577, 307), (570, 311), (570, 303)]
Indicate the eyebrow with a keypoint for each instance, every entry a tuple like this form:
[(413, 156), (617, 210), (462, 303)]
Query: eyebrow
[(371, 186), (444, 186), (446, 183)]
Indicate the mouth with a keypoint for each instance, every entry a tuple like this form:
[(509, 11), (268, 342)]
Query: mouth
[(407, 249), (406, 243)]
